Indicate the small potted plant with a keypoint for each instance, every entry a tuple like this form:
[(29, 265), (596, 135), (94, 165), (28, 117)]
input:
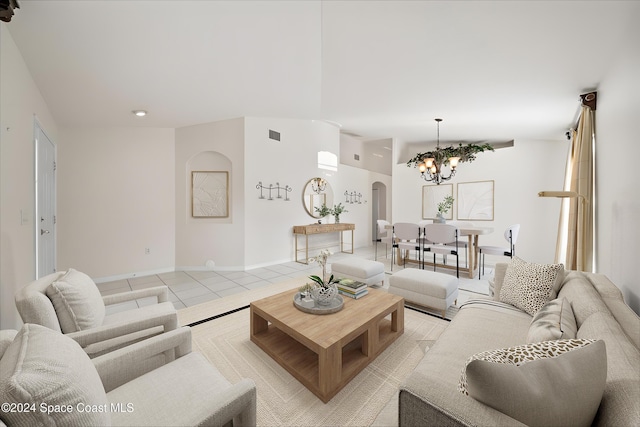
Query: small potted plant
[(443, 208), (337, 210), (305, 295), (322, 212), (305, 290)]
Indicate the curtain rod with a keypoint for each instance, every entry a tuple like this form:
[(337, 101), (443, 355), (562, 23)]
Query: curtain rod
[(589, 99)]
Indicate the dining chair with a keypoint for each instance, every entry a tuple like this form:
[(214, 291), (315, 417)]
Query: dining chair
[(383, 235), (511, 236), (406, 237), (463, 242), (444, 241), (422, 224)]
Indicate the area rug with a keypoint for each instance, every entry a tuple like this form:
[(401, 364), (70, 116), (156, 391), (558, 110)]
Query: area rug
[(283, 401)]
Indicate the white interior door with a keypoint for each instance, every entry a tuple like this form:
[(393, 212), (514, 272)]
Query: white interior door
[(45, 212)]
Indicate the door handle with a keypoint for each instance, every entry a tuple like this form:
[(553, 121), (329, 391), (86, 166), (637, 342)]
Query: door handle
[(44, 231)]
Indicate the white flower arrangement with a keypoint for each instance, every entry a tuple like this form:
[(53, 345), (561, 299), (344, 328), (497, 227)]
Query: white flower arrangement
[(321, 259)]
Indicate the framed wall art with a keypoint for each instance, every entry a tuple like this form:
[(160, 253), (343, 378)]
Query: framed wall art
[(431, 196), (475, 200), (209, 194)]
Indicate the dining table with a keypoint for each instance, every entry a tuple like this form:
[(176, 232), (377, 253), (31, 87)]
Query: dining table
[(472, 233)]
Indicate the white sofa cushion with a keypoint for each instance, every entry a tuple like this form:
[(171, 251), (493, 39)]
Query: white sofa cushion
[(54, 378), (529, 286), (554, 321), (550, 383), (77, 302)]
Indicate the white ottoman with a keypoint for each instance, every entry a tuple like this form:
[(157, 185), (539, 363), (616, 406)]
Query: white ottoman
[(426, 288), (360, 269)]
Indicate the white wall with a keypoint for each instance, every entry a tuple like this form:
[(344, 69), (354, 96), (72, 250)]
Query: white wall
[(20, 102), (361, 181), (220, 240), (617, 154), (371, 154), (116, 197), (519, 173), (291, 161), (258, 231)]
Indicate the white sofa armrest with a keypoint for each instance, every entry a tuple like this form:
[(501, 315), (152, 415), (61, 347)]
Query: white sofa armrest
[(161, 292), (238, 403), (125, 364), (168, 320)]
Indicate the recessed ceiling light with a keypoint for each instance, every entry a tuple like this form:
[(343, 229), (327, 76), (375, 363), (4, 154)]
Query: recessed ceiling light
[(139, 113)]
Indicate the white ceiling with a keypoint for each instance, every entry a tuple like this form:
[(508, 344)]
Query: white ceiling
[(491, 70)]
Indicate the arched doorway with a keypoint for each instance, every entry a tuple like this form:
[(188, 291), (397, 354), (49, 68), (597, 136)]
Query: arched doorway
[(378, 206)]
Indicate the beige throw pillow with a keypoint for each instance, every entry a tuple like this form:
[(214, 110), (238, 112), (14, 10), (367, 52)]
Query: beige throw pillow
[(498, 279), (48, 373), (554, 321), (528, 286), (77, 302), (549, 383)]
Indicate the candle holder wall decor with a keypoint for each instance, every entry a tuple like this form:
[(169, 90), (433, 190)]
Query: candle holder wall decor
[(271, 188), (353, 197)]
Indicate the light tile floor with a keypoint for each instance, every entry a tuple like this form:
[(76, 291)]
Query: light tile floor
[(188, 288)]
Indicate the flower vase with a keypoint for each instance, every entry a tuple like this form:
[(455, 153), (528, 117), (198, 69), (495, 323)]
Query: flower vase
[(324, 295), (439, 219), (337, 219)]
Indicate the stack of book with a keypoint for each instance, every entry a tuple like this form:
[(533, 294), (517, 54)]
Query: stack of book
[(352, 289)]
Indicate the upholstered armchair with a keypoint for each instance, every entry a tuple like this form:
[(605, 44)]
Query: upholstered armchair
[(42, 369), (70, 302)]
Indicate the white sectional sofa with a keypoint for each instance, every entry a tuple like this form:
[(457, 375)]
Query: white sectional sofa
[(430, 395)]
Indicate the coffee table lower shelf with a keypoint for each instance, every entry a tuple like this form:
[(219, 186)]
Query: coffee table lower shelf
[(326, 370)]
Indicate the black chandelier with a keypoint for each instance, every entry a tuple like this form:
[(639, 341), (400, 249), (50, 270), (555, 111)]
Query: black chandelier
[(431, 167)]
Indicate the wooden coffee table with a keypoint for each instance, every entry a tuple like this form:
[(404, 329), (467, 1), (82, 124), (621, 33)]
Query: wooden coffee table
[(325, 352)]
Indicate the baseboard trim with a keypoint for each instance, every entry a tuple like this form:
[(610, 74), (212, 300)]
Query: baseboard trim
[(132, 275), (183, 268), (232, 268)]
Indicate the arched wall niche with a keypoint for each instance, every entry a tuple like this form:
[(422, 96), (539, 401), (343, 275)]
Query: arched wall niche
[(210, 161)]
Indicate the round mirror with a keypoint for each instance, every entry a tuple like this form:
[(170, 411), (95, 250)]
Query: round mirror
[(317, 192)]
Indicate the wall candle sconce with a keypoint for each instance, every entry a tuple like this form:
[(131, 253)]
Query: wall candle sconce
[(353, 197), (286, 189)]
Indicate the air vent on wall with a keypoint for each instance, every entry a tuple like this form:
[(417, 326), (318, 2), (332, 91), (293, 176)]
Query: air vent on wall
[(274, 135)]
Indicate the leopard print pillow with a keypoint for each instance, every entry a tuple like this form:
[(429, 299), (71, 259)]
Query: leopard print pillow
[(529, 286), (522, 354)]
